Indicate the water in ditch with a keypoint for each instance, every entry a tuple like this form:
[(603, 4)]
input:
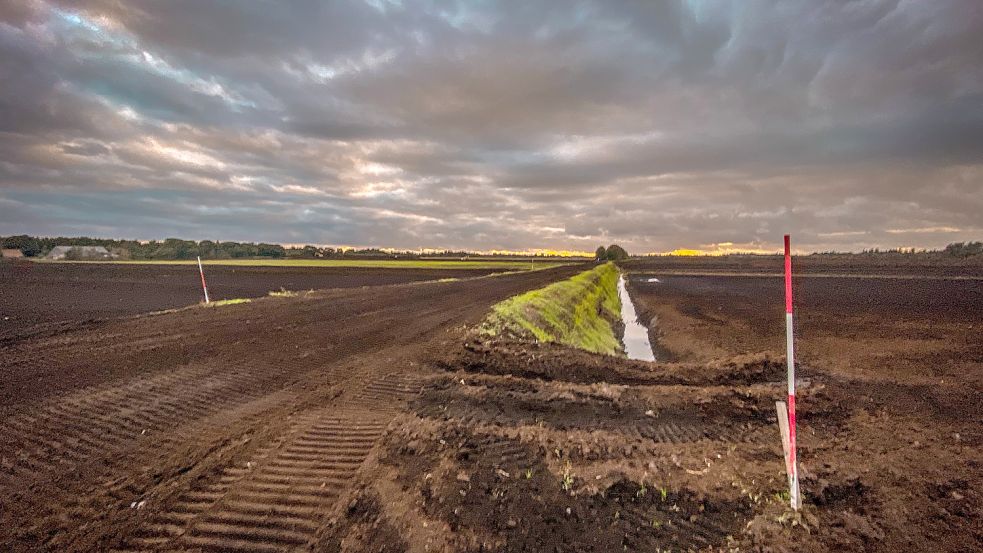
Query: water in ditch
[(637, 344)]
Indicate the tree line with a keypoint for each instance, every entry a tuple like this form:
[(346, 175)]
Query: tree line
[(964, 249), (176, 248)]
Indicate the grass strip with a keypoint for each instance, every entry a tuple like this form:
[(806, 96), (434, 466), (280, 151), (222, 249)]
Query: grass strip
[(282, 293), (221, 303), (578, 312)]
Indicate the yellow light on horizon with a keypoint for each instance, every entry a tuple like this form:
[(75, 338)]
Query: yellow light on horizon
[(687, 252)]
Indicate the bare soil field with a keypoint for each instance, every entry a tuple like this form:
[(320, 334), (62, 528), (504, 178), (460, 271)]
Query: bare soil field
[(531, 447), (37, 293), (377, 419), (890, 411), (911, 265), (230, 428)]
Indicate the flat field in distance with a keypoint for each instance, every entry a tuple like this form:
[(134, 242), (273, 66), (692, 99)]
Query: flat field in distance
[(52, 292), (910, 265), (503, 265)]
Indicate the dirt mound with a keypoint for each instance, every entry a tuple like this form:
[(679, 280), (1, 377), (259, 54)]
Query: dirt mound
[(549, 361), (505, 460), (484, 491), (505, 402), (523, 447)]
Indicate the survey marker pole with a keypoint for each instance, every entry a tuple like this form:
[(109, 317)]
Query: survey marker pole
[(790, 362), (201, 271)]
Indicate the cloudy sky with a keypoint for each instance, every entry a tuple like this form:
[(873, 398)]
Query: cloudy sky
[(484, 125)]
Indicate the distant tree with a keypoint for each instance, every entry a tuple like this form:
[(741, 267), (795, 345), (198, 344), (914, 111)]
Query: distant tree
[(28, 245), (270, 250), (180, 249), (306, 252), (207, 249), (957, 249), (601, 253), (616, 253)]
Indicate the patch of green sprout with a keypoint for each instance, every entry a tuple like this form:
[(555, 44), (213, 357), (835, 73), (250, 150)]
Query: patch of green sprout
[(222, 303), (567, 482), (282, 293)]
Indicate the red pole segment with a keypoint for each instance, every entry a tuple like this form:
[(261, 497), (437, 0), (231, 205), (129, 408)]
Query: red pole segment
[(790, 361)]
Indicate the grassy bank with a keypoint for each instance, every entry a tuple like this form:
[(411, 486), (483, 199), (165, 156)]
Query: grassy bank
[(577, 312), (348, 263)]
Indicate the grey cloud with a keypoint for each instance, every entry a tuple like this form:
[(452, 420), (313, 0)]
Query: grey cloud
[(490, 125), (85, 149)]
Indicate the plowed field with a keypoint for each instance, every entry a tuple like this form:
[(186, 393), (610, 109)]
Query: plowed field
[(57, 293), (376, 419), (232, 427)]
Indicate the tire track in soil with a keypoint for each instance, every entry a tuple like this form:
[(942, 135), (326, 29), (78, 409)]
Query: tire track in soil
[(278, 499), (89, 425), (96, 425)]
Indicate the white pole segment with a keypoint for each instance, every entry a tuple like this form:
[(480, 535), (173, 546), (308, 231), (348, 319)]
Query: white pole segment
[(793, 462), (201, 271)]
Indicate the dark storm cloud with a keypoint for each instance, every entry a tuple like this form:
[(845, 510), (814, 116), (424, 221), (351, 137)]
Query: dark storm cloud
[(494, 125)]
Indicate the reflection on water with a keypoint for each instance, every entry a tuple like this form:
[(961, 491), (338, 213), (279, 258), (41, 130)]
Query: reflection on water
[(636, 339)]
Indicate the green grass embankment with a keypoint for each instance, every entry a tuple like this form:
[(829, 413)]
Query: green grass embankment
[(578, 312)]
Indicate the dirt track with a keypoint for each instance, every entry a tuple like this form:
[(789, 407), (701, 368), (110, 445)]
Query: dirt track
[(233, 427)]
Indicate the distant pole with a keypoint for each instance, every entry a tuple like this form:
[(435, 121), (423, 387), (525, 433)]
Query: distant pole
[(201, 271), (790, 361)]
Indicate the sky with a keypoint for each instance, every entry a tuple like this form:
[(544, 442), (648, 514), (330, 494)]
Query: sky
[(482, 125)]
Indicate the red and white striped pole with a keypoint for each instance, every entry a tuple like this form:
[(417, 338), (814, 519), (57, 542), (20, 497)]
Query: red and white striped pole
[(201, 271), (790, 361)]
